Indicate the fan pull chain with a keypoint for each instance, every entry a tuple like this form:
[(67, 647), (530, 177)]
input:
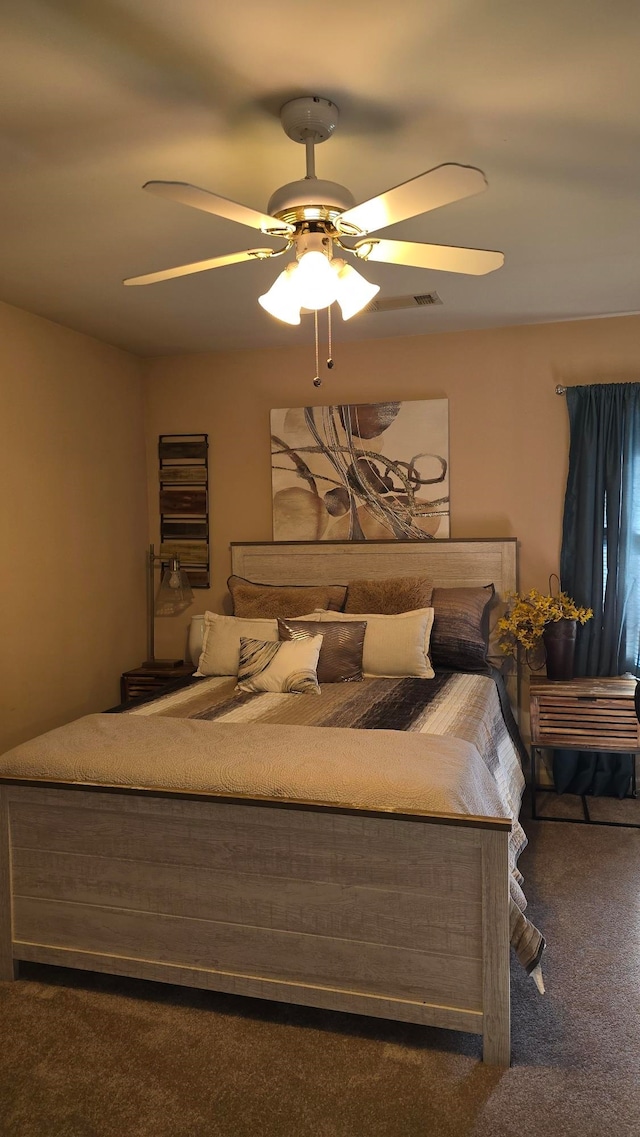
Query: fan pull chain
[(330, 357), (317, 381)]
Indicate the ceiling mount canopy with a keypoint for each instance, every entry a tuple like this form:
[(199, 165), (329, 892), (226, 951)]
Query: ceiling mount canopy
[(314, 217)]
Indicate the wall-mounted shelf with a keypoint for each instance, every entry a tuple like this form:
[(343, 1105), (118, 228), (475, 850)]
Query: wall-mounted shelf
[(184, 503)]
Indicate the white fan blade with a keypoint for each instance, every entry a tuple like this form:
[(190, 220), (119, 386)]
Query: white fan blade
[(428, 191), (444, 258), (202, 266), (198, 198)]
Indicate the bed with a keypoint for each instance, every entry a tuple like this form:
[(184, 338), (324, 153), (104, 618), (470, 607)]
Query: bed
[(134, 845)]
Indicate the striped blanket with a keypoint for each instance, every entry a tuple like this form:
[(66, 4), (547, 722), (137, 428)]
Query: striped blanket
[(464, 706)]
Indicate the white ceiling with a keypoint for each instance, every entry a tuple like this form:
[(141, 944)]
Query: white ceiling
[(99, 96)]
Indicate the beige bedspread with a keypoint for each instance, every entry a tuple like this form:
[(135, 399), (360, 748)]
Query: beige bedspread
[(292, 763)]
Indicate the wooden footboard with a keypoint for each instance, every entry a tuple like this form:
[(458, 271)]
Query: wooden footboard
[(398, 916)]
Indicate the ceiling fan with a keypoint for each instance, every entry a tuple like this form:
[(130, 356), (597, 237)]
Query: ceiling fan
[(315, 216)]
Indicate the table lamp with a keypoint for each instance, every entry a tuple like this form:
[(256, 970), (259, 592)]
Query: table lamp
[(173, 597)]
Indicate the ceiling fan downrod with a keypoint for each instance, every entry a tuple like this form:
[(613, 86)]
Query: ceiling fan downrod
[(310, 144), (310, 121)]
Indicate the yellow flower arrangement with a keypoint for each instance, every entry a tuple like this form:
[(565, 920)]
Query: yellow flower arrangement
[(528, 615)]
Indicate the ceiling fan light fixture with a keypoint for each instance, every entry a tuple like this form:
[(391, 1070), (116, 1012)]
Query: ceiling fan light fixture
[(315, 283), (282, 299), (354, 292)]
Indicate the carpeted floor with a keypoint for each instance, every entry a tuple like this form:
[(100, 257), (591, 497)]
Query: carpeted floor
[(84, 1055)]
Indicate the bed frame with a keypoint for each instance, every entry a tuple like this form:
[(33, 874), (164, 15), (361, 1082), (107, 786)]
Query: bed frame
[(397, 915)]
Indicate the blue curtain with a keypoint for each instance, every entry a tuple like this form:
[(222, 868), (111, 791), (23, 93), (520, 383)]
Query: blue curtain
[(600, 559)]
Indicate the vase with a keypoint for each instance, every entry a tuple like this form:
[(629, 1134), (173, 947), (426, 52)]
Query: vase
[(559, 638)]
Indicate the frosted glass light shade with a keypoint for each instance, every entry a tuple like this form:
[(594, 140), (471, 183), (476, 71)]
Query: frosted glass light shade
[(282, 300), (353, 292), (174, 594), (315, 281)]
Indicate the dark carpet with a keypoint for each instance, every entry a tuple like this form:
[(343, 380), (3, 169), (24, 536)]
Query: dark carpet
[(84, 1055)]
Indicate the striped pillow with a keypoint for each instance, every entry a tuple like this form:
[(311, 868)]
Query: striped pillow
[(342, 645), (460, 635), (284, 666)]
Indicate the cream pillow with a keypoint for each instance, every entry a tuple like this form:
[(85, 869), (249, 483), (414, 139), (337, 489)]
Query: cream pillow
[(394, 646), (289, 665), (221, 641)]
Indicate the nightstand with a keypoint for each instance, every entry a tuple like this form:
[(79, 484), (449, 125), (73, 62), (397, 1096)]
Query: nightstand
[(150, 680), (583, 714)]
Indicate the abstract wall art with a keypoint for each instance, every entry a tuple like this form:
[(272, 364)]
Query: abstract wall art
[(361, 471)]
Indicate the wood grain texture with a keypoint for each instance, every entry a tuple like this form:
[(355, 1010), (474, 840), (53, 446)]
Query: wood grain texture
[(447, 563), (427, 1014), (341, 849), (151, 797), (187, 552), (198, 578), (182, 475), (603, 687), (183, 530), (181, 500), (496, 1030), (444, 924), (146, 680), (369, 915), (371, 968), (588, 714), (7, 966), (168, 451)]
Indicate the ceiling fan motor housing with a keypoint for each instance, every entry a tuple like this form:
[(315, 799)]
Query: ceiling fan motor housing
[(310, 199), (313, 242)]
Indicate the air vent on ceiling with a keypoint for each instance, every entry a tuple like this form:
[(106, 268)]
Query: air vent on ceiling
[(394, 303)]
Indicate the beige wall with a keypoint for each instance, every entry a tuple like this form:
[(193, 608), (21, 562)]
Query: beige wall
[(508, 428), (73, 494), (73, 517)]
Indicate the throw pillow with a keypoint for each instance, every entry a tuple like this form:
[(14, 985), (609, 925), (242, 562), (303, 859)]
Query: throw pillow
[(394, 646), (388, 597), (460, 634), (221, 641), (285, 666), (340, 659), (251, 600)]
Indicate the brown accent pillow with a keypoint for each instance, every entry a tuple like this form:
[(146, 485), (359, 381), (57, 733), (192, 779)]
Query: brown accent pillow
[(340, 659), (389, 597), (460, 636), (271, 601)]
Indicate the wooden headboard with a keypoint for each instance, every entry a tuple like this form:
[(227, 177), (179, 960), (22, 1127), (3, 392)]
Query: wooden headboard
[(447, 563)]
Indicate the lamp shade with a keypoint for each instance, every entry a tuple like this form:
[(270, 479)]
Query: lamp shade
[(281, 300), (174, 594), (315, 281), (353, 292)]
